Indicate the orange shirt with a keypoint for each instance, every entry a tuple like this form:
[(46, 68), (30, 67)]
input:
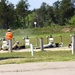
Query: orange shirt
[(9, 35)]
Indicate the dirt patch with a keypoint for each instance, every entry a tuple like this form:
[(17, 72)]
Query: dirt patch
[(66, 30), (73, 29)]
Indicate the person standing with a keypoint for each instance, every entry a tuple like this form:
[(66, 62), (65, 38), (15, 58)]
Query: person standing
[(9, 37)]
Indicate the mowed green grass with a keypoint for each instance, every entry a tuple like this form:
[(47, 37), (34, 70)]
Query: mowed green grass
[(35, 39), (20, 33), (45, 56), (41, 56)]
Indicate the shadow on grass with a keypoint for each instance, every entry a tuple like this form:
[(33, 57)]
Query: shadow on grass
[(5, 58)]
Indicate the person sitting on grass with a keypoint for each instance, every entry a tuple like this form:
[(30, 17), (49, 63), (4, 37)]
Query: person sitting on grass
[(4, 45)]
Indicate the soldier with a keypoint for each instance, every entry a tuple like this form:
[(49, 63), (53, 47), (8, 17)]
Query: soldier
[(9, 37), (4, 45)]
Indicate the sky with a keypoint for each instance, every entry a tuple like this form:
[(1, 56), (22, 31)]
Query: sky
[(35, 3)]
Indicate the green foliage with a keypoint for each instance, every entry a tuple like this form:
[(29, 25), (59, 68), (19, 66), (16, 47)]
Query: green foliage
[(6, 14), (21, 17), (30, 19), (21, 8), (21, 12), (72, 21), (63, 11)]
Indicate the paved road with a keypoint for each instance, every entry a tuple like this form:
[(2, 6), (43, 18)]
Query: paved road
[(41, 68)]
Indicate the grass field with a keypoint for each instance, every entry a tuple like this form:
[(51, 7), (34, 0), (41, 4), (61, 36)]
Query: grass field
[(34, 39), (56, 32), (42, 56), (10, 58)]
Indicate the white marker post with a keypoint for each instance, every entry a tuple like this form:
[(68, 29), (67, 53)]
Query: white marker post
[(73, 44), (32, 50)]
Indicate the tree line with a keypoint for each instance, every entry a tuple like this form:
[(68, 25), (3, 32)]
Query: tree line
[(19, 16)]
